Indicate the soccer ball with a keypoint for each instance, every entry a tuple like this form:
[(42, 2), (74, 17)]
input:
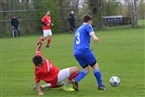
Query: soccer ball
[(114, 81)]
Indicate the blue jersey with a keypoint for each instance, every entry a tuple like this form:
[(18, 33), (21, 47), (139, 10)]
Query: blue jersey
[(82, 39)]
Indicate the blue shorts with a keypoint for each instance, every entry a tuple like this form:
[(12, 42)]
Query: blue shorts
[(86, 59)]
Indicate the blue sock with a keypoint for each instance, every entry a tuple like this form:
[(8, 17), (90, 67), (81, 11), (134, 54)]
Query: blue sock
[(81, 75), (98, 76)]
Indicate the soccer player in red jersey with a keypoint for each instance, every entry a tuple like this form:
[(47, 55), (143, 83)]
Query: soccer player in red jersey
[(53, 76), (47, 33)]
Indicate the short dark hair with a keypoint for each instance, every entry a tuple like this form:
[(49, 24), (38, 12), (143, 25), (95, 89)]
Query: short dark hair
[(87, 18), (37, 60)]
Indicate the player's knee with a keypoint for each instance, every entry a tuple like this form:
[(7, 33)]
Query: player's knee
[(76, 69), (87, 70), (95, 66)]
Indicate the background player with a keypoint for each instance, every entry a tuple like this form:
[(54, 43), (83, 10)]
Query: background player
[(46, 71), (83, 53), (71, 19), (47, 33), (15, 26)]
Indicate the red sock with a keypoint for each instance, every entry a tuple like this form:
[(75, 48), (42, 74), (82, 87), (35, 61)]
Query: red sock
[(40, 40), (73, 76), (48, 42)]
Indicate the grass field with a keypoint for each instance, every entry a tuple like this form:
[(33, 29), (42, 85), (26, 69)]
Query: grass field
[(120, 52)]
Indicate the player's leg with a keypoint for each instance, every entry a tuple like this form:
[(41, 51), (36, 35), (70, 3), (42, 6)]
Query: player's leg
[(73, 26), (47, 85), (93, 63), (14, 32), (49, 38), (79, 77), (17, 28), (98, 75), (74, 71), (81, 60), (45, 35), (68, 73)]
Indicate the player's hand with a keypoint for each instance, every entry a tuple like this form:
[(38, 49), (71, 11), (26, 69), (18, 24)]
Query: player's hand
[(48, 24), (40, 93), (52, 24), (96, 39)]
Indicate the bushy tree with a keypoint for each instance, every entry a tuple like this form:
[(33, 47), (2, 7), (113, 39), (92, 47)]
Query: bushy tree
[(141, 9), (112, 8), (43, 6), (97, 11)]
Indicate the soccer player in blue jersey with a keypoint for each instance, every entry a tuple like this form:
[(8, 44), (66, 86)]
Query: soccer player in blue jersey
[(83, 53)]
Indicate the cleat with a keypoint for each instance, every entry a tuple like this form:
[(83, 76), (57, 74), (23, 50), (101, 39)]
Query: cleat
[(75, 85), (42, 87), (102, 87), (68, 89), (47, 46)]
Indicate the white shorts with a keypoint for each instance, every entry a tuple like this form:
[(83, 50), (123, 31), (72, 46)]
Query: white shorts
[(47, 33), (63, 75)]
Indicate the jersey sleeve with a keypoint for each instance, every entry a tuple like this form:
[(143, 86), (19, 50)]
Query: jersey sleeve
[(43, 19), (89, 29), (38, 75), (38, 53)]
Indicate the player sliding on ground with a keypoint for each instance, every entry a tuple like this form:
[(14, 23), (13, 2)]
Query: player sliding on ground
[(83, 53), (54, 77)]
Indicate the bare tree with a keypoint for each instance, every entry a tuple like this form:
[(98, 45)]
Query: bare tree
[(134, 12)]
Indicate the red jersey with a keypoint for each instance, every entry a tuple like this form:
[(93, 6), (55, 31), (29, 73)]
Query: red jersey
[(47, 20), (47, 72)]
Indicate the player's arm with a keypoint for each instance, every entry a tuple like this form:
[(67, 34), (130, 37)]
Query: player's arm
[(95, 38), (39, 45), (37, 85), (43, 23), (52, 24)]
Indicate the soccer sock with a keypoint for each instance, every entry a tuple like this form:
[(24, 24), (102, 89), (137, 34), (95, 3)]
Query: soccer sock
[(40, 40), (98, 76), (48, 42), (68, 83), (47, 85), (72, 76), (81, 75)]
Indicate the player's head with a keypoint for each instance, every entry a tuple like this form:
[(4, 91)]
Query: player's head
[(37, 60), (14, 16), (48, 13), (87, 19), (72, 12)]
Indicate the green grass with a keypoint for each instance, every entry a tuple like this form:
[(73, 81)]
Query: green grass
[(120, 52)]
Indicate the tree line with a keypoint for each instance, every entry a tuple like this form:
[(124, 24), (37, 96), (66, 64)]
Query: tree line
[(30, 12)]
